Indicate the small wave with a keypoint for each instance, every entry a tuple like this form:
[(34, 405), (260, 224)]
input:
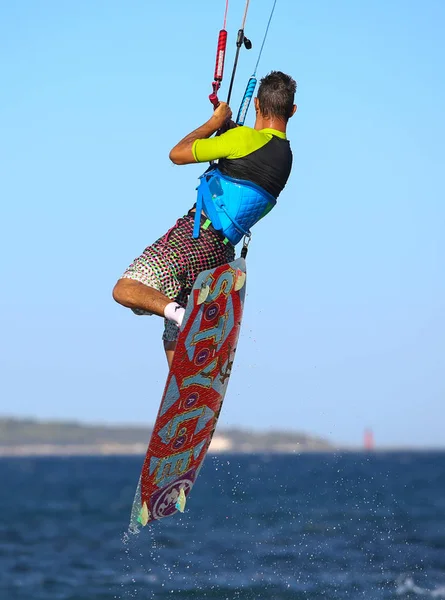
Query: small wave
[(407, 586)]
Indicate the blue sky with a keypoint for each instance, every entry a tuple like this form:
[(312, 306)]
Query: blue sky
[(344, 322)]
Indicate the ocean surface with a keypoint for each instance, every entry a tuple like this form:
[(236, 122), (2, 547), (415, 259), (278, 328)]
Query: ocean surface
[(311, 526)]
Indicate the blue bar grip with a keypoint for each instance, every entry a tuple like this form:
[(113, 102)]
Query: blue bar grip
[(251, 85)]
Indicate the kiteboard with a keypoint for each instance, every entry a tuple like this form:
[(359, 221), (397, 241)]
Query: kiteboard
[(193, 394)]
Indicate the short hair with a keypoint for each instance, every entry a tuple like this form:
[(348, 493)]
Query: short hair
[(276, 95)]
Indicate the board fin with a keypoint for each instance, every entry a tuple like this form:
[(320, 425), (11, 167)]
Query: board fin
[(180, 503), (203, 293), (240, 279), (144, 515)]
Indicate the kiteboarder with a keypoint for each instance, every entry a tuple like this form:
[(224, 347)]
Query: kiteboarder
[(236, 192)]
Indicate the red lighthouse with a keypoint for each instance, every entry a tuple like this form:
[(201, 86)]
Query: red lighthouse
[(368, 440)]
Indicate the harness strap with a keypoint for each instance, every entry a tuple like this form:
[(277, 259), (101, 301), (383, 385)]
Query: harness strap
[(207, 224), (204, 202), (198, 212)]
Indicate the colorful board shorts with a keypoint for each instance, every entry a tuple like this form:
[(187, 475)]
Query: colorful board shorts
[(174, 261)]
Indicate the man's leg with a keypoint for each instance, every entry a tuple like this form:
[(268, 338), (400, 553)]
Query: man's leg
[(139, 287), (169, 348), (136, 295)]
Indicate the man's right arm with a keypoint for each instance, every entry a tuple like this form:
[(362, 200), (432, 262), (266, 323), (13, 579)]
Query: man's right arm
[(182, 153)]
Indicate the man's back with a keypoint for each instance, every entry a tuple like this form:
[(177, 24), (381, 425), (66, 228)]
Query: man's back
[(260, 156)]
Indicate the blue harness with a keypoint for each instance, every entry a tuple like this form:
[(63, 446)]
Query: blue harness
[(232, 205)]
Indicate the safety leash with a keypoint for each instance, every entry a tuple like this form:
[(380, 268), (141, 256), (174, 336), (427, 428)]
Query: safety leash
[(251, 85), (240, 40)]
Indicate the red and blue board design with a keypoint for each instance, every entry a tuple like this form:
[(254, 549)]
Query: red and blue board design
[(193, 394)]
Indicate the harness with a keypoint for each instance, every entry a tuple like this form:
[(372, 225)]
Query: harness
[(232, 205)]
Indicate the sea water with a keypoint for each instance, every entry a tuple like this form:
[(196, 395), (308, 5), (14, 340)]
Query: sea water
[(264, 527)]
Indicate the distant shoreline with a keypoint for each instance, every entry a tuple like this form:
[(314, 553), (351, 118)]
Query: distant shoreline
[(122, 450), (31, 437), (97, 450)]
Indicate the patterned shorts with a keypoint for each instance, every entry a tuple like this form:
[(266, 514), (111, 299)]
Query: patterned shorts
[(172, 264)]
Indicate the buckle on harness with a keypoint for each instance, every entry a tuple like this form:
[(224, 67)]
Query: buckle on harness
[(246, 242)]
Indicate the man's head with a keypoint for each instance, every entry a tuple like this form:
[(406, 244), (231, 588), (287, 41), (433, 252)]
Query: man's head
[(276, 94)]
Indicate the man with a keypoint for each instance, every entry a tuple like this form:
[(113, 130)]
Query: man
[(253, 168)]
